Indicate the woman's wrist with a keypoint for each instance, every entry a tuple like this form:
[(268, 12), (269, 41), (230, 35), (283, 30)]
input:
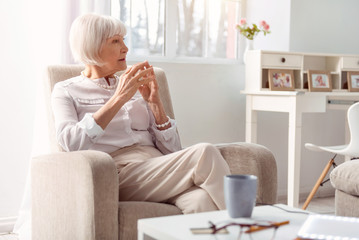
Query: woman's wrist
[(162, 121), (164, 125)]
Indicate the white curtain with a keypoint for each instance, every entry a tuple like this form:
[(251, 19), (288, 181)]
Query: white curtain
[(48, 23)]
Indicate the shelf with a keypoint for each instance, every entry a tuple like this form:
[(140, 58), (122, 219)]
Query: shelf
[(260, 62), (332, 73), (297, 92)]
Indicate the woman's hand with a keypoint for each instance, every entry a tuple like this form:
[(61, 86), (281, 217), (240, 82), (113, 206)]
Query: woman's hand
[(149, 91), (132, 80), (142, 77), (150, 94)]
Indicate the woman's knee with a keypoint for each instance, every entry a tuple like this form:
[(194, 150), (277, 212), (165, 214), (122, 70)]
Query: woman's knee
[(208, 150), (205, 146), (205, 157), (210, 153)]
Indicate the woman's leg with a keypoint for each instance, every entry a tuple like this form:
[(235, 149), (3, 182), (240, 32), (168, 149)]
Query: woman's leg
[(161, 178), (194, 200)]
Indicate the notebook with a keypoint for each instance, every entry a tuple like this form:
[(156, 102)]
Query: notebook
[(330, 227)]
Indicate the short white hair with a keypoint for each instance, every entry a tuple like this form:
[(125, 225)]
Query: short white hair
[(89, 32)]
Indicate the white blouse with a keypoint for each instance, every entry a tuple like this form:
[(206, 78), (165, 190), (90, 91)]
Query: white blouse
[(75, 100)]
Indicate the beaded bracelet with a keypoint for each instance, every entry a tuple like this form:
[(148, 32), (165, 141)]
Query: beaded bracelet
[(164, 124)]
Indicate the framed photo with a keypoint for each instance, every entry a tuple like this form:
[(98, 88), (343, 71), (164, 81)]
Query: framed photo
[(353, 81), (319, 81), (281, 79)]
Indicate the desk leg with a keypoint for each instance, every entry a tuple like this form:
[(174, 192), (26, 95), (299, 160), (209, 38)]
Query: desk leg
[(294, 148), (347, 136), (251, 121), (140, 235)]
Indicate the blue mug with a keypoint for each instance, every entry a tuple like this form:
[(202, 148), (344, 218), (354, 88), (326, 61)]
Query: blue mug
[(240, 195)]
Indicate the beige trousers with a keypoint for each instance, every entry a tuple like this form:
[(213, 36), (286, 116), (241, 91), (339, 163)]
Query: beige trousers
[(191, 178)]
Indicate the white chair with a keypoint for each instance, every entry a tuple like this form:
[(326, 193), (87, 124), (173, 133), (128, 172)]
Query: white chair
[(351, 150)]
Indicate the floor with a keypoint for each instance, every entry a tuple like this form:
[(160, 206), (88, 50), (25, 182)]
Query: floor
[(321, 205), (317, 205), (8, 236)]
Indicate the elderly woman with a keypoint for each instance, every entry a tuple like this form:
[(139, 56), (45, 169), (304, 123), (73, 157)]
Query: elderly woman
[(124, 116)]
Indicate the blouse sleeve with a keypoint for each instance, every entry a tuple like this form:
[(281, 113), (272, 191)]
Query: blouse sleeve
[(72, 133), (167, 141)]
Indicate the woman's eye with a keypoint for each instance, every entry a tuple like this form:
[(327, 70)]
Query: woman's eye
[(115, 41)]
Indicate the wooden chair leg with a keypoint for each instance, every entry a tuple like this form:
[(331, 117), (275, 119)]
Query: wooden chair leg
[(317, 184)]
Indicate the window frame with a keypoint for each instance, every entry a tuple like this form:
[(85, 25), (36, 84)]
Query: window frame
[(170, 40)]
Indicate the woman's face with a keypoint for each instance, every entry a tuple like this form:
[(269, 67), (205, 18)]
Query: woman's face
[(113, 54)]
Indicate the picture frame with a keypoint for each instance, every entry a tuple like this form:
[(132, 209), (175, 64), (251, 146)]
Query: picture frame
[(353, 81), (319, 81), (281, 80)]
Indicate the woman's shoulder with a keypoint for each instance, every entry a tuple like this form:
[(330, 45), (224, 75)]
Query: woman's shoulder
[(69, 82)]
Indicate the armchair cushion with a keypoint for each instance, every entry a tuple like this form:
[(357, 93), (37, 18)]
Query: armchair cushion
[(130, 212), (346, 204), (345, 177)]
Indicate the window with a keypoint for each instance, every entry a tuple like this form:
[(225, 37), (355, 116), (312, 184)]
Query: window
[(145, 20), (180, 28)]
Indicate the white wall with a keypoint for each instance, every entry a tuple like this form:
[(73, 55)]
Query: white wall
[(29, 40), (325, 26), (276, 13), (17, 107)]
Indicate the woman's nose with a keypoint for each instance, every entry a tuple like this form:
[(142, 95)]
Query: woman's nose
[(124, 48)]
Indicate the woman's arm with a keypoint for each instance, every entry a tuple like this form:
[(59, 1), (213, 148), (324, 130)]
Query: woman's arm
[(150, 93), (128, 85), (162, 128), (166, 140), (72, 133)]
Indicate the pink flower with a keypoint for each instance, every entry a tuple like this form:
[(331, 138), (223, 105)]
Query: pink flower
[(252, 30), (262, 23), (243, 21), (266, 27)]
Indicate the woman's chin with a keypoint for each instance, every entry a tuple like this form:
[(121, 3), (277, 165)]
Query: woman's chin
[(122, 66)]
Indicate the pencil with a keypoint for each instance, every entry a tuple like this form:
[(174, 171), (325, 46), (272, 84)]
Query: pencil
[(258, 228)]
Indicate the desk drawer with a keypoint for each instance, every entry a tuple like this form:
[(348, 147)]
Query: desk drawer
[(350, 62), (281, 60)]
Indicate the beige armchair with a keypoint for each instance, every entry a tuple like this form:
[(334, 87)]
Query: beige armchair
[(75, 194)]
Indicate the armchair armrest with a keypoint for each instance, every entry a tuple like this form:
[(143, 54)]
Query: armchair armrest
[(250, 158), (74, 196)]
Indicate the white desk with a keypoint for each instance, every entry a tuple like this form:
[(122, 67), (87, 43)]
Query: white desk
[(295, 104), (178, 227)]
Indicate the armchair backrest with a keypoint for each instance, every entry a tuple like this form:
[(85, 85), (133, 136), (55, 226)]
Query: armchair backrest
[(59, 73)]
